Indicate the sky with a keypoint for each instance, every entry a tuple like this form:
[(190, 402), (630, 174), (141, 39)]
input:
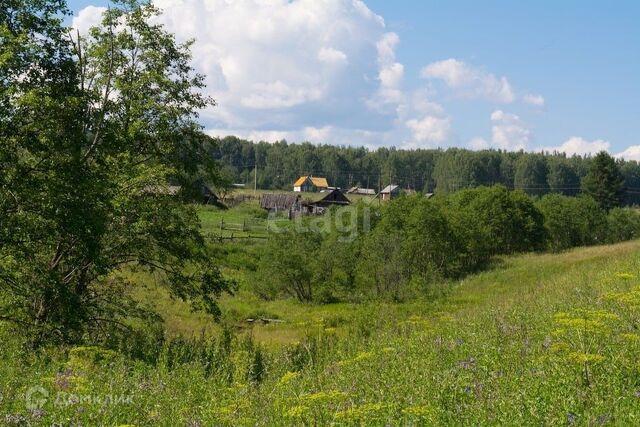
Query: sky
[(509, 75)]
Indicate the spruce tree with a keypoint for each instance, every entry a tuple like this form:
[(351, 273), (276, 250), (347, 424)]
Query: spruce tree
[(604, 181)]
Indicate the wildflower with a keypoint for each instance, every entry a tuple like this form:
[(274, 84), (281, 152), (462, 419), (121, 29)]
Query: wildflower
[(322, 397), (297, 411), (287, 378), (368, 411), (330, 331), (363, 355), (625, 276), (587, 320), (631, 297), (579, 357), (418, 411)]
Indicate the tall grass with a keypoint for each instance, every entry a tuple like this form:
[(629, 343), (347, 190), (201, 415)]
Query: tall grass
[(542, 339)]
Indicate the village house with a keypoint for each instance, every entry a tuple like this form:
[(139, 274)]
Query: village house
[(295, 205), (310, 183), (390, 192), (362, 191), (318, 205)]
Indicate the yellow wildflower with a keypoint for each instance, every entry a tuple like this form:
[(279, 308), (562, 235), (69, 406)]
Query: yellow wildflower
[(585, 357), (418, 411), (287, 378), (297, 411)]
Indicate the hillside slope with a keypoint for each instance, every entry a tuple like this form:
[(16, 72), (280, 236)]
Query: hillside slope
[(541, 339)]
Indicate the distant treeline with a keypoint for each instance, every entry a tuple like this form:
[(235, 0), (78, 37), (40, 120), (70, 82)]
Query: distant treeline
[(444, 171)]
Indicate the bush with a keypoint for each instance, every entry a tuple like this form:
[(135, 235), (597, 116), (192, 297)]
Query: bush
[(572, 221), (495, 221), (623, 224)]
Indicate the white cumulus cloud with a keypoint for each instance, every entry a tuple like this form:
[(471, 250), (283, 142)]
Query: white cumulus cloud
[(330, 55), (88, 17), (430, 129), (579, 145), (281, 66), (470, 81), (631, 153), (473, 82), (508, 131), (536, 100)]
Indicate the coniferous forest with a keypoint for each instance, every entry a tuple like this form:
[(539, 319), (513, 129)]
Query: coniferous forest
[(424, 170)]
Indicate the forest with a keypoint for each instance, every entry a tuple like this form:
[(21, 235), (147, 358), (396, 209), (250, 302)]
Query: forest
[(439, 170)]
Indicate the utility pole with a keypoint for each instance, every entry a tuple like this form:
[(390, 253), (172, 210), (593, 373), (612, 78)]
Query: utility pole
[(255, 179)]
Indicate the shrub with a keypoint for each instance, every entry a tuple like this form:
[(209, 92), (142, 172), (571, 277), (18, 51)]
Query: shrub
[(623, 224), (496, 221), (572, 221)]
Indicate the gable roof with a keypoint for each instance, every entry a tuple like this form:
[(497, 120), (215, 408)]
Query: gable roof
[(300, 181), (333, 197), (317, 182), (389, 189), (360, 190)]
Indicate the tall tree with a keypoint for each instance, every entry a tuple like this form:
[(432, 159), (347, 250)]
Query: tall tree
[(91, 130), (531, 174), (604, 181), (562, 178)]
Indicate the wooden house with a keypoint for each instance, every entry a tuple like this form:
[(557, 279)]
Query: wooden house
[(310, 183), (319, 205), (390, 192), (362, 191)]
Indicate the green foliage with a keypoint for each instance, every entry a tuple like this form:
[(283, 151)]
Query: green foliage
[(497, 221), (604, 182), (552, 333), (416, 242), (562, 178), (572, 221), (288, 264), (623, 224), (92, 131), (444, 171), (531, 174)]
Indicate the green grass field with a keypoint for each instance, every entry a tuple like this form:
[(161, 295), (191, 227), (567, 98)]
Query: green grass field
[(539, 339)]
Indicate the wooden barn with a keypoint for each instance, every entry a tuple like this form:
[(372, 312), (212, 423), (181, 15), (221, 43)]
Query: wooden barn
[(279, 202)]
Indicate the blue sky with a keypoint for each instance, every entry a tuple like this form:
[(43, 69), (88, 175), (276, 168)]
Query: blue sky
[(501, 74)]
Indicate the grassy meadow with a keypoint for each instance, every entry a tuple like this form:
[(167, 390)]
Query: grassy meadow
[(537, 339)]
